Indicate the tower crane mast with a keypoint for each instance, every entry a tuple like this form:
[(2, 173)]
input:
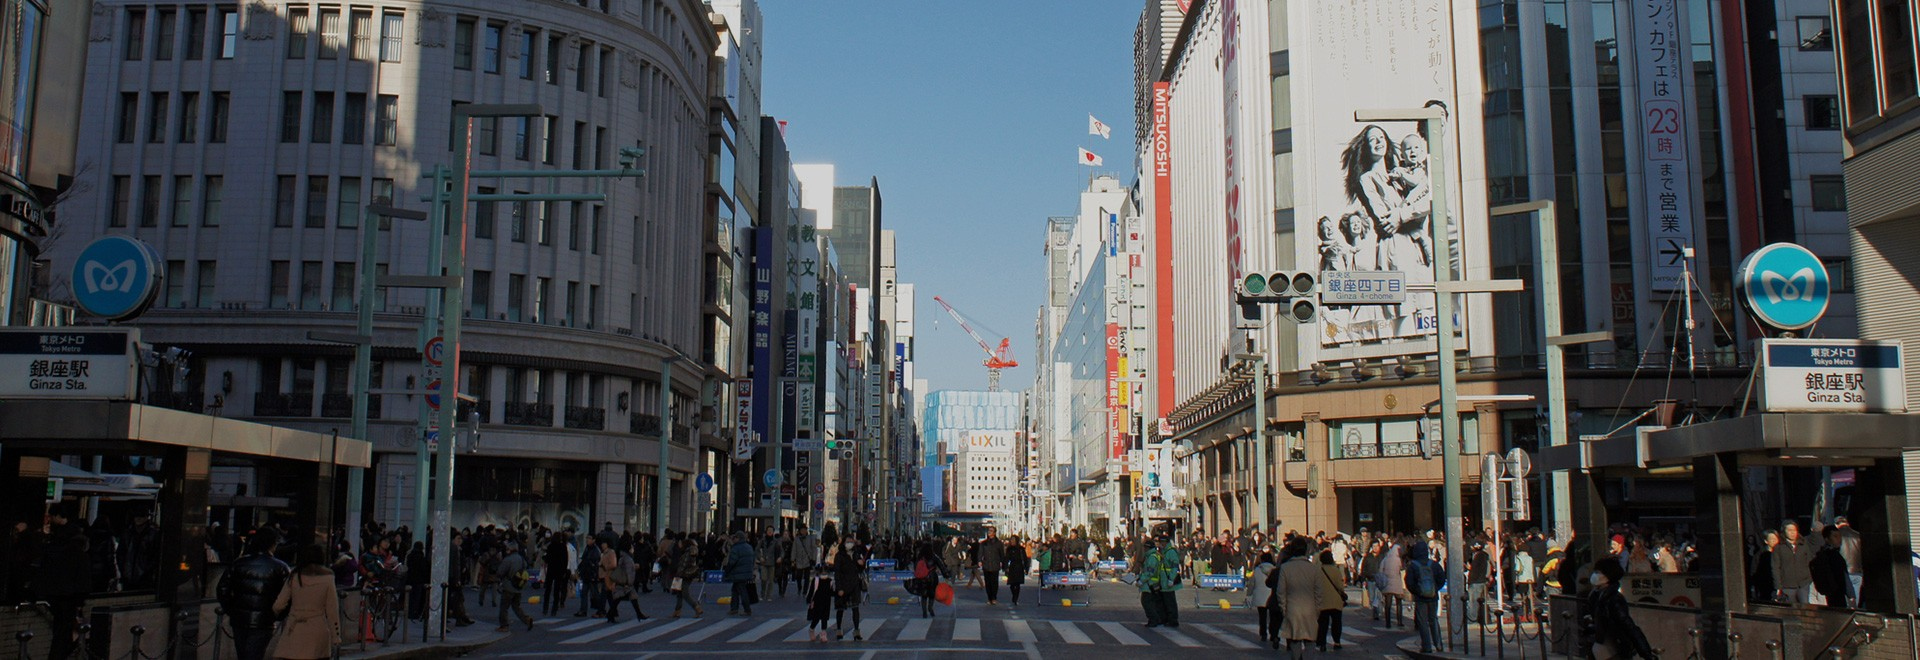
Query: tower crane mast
[(997, 358)]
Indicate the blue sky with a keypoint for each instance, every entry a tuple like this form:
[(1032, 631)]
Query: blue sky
[(970, 113)]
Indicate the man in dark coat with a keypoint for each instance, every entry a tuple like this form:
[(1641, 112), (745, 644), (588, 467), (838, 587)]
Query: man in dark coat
[(739, 571), (63, 579), (992, 556), (247, 593)]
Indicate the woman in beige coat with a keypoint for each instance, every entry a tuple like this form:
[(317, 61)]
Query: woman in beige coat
[(1333, 602), (312, 608), (1300, 588)]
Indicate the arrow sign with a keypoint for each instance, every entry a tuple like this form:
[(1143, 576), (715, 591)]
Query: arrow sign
[(1673, 251)]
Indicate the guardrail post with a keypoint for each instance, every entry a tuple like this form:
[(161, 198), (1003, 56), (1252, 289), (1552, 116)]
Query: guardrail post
[(23, 637), (1481, 606)]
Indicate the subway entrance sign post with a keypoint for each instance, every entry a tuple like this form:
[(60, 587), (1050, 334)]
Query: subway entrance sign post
[(1784, 286)]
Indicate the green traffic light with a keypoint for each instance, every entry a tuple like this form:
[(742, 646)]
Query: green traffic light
[(1255, 284)]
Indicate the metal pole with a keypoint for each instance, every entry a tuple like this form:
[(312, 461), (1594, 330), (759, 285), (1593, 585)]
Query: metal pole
[(1262, 509), (362, 372), (660, 489), (1449, 380), (430, 328), (1560, 515)]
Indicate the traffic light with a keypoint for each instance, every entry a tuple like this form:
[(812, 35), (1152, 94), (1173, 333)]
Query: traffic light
[(1296, 291)]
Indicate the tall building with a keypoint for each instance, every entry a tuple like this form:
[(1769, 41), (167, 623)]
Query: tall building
[(572, 305), (978, 430), (42, 83)]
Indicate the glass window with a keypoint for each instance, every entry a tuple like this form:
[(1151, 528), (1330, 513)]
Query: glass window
[(136, 37), (150, 201), (482, 294), (1829, 192), (343, 279), (486, 135), (485, 214), (548, 130), (310, 285), (594, 239), (283, 193), (122, 199), (299, 25), (579, 144), (516, 296), (317, 201), (331, 39), (129, 123), (600, 143), (360, 33), (290, 116), (176, 284), (606, 71), (576, 210), (490, 58), (521, 146), (347, 207), (163, 37), (528, 39), (210, 201), (517, 221), (229, 32), (1856, 60), (189, 117), (542, 222), (322, 118), (182, 201), (203, 283), (353, 119), (580, 68), (542, 292), (196, 33), (393, 24), (157, 118), (277, 282), (463, 44), (1823, 112), (1897, 75), (553, 59), (382, 193), (386, 120), (1816, 32), (593, 306), (572, 318), (217, 117)]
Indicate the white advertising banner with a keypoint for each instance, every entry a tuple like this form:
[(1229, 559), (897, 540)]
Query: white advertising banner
[(1365, 201), (1832, 375), (1666, 133), (66, 363), (997, 442)]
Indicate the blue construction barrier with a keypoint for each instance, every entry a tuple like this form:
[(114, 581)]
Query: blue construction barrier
[(1076, 580), (883, 564), (1214, 584), (1110, 568)]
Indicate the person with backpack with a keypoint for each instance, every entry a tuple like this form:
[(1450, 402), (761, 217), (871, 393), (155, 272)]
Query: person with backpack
[(588, 570), (739, 570), (512, 577), (926, 579), (1424, 579)]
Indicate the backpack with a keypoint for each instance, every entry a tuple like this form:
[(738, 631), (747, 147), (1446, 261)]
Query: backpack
[(1421, 581)]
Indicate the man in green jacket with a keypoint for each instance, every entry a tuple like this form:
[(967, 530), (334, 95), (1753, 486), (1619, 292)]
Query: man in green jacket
[(1159, 580)]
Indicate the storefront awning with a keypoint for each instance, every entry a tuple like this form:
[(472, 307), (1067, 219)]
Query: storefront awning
[(27, 423), (1828, 438)]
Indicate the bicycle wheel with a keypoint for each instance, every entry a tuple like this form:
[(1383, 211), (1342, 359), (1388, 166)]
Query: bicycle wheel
[(390, 613)]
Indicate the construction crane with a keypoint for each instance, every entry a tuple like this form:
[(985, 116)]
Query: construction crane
[(997, 359)]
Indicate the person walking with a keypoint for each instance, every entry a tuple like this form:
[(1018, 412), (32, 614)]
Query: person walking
[(992, 557), (512, 577), (248, 592), (458, 568), (1261, 597), (819, 596), (1829, 571), (849, 583), (1393, 582), (62, 574), (1610, 629), (1424, 578), (739, 572), (312, 606), (620, 584), (686, 573), (926, 575), (1017, 564), (803, 553), (419, 578), (1790, 561), (1333, 602), (1300, 590), (766, 559), (559, 574), (588, 569)]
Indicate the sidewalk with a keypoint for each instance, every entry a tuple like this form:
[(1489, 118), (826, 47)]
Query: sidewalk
[(460, 641)]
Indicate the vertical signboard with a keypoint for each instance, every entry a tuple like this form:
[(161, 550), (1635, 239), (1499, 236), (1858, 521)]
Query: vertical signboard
[(1163, 244), (1666, 177), (1116, 447), (1230, 88), (761, 361), (744, 423)]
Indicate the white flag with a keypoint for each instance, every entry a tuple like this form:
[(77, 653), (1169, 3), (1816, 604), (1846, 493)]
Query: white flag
[(1090, 159), (1097, 127)]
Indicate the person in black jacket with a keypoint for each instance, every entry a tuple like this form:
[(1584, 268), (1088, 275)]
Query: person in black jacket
[(63, 579), (419, 578), (1611, 631), (1829, 570), (247, 593)]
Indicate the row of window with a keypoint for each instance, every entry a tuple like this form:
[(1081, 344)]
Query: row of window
[(1879, 63), (177, 203), (523, 385), (338, 30), (580, 306), (352, 110), (215, 29), (190, 124), (592, 63)]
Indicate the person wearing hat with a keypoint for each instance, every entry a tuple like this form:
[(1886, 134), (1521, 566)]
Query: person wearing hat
[(1610, 628), (248, 592), (512, 575)]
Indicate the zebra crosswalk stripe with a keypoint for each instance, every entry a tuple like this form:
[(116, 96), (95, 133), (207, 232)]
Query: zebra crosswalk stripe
[(583, 625), (1120, 633), (1019, 631), (1231, 639), (966, 630), (870, 626), (1070, 633), (709, 631), (1176, 637), (760, 631), (609, 629), (916, 630), (656, 631)]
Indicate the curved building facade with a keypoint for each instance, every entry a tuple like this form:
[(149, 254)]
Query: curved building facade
[(245, 142)]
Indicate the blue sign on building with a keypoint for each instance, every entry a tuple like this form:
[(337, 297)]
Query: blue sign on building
[(116, 277), (1784, 285)]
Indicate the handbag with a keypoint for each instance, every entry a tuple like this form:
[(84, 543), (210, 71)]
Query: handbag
[(1336, 588), (676, 585)]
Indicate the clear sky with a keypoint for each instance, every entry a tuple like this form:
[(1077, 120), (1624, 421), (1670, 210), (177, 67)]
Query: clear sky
[(970, 112)]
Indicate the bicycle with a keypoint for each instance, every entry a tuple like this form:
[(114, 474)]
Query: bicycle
[(384, 607)]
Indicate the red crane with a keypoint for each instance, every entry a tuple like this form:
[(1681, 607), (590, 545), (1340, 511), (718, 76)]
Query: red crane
[(997, 359)]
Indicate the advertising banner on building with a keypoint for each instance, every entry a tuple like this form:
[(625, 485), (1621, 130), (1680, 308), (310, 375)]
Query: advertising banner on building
[(743, 444), (1666, 133), (1230, 89), (998, 442), (1116, 447), (761, 353), (1163, 244), (69, 363), (1366, 192)]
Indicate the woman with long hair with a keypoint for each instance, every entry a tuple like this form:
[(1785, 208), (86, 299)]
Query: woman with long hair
[(312, 608)]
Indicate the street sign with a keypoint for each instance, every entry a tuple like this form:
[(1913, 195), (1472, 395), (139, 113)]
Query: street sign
[(433, 394), (771, 478), (703, 501), (63, 363), (116, 277), (1832, 375), (819, 505), (56, 488), (432, 437), (1784, 285), (703, 482), (1352, 287), (819, 489), (809, 444), (1519, 462), (434, 350)]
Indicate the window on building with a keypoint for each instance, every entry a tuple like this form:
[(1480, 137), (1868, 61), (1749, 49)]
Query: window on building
[(211, 199), (150, 201), (517, 221), (310, 285), (346, 210), (1856, 60), (490, 58), (482, 294), (549, 128), (463, 43), (343, 279), (332, 37), (316, 201), (606, 71), (222, 106), (1829, 192), (136, 37), (529, 40), (176, 284), (203, 283), (299, 26), (599, 214), (516, 297), (579, 144), (542, 292), (290, 103), (164, 27), (129, 124), (360, 34), (1898, 80), (229, 31), (189, 117), (196, 36), (486, 135), (381, 193), (574, 212), (393, 25), (279, 276), (1816, 32), (322, 132), (572, 317), (593, 306), (1823, 112), (182, 201), (485, 215), (386, 120), (353, 118), (581, 69), (122, 200), (542, 222), (521, 143), (283, 193), (157, 118), (600, 147), (552, 62)]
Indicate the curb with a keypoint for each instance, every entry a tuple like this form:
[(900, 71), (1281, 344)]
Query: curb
[(441, 650)]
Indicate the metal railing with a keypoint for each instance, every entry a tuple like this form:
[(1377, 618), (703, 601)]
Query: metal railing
[(587, 418), (283, 404), (520, 413)]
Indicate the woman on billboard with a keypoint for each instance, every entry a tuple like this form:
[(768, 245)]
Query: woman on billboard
[(1389, 191)]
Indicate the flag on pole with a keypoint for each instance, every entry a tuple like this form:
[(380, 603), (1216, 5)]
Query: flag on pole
[(1090, 159), (1097, 127)]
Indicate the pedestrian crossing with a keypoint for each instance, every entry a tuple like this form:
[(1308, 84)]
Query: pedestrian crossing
[(790, 630)]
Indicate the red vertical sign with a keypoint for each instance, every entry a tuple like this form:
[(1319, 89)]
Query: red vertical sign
[(1116, 448), (1163, 244)]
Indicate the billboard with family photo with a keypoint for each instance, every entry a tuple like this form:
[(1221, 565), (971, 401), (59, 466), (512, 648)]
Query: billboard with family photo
[(1367, 189)]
